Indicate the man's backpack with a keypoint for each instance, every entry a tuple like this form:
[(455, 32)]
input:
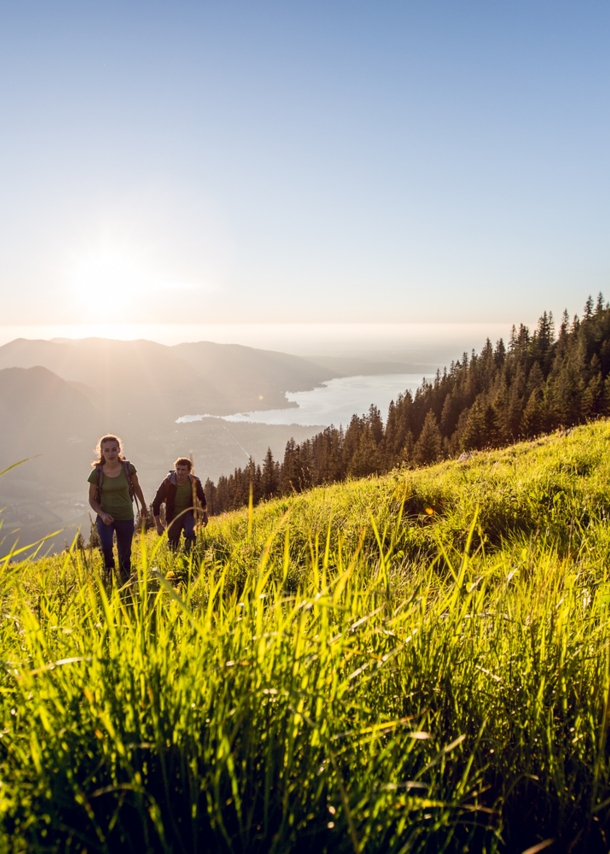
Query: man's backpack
[(168, 478), (100, 479)]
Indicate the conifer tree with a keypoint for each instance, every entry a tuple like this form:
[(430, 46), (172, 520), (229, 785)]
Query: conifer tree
[(270, 477), (210, 496), (366, 459), (429, 446), (289, 476), (533, 415), (474, 436), (406, 455), (593, 402)]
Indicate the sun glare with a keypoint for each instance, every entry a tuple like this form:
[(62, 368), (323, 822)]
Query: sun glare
[(108, 280)]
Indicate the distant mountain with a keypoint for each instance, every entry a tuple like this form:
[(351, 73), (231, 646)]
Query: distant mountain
[(351, 366), (143, 383), (259, 372), (43, 414), (54, 422)]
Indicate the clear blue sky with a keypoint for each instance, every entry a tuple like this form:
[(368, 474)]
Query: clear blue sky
[(302, 161)]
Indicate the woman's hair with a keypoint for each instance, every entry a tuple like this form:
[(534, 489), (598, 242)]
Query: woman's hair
[(98, 450)]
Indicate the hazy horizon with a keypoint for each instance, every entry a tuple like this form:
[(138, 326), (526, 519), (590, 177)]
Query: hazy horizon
[(391, 341)]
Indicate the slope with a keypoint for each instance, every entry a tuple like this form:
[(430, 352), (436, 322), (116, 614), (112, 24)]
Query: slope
[(411, 663), (551, 488)]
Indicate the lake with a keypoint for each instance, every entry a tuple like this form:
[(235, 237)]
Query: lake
[(332, 403)]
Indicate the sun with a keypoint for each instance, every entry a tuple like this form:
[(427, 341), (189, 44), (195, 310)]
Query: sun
[(108, 281)]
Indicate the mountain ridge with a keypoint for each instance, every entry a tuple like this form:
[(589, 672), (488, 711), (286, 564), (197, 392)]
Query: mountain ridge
[(166, 381)]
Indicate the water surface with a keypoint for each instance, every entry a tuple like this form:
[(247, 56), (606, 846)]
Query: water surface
[(332, 403)]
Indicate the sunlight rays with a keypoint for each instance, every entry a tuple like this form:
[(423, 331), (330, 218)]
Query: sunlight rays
[(109, 280)]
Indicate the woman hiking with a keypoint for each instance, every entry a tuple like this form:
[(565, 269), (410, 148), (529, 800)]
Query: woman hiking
[(113, 483)]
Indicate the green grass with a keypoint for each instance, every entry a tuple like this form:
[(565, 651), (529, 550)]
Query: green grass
[(419, 662)]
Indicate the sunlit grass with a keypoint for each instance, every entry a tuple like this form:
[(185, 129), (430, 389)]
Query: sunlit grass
[(341, 671)]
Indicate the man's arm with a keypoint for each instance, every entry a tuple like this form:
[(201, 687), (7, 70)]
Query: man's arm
[(156, 506)]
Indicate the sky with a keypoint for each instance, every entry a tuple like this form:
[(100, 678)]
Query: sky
[(245, 162)]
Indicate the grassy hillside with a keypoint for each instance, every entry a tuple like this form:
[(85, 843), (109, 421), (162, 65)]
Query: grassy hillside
[(418, 662)]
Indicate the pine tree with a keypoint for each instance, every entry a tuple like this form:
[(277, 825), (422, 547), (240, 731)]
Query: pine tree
[(210, 497), (393, 438), (475, 436), (501, 421), (406, 456), (375, 424), (499, 354), (593, 401), (587, 313), (366, 459), (535, 379), (533, 415), (351, 443), (289, 476), (270, 477), (599, 305), (428, 447)]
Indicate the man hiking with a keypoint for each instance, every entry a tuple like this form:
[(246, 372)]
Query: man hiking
[(177, 491)]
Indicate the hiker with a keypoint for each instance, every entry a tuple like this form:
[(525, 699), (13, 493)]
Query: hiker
[(113, 484), (179, 491)]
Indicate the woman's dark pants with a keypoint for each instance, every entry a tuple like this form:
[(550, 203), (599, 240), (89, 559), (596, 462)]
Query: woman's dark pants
[(124, 535)]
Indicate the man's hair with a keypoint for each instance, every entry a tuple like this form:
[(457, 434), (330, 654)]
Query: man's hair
[(183, 461)]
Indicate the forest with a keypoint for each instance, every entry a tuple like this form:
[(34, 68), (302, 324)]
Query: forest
[(541, 381)]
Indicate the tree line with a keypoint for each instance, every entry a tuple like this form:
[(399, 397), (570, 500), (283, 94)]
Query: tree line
[(536, 383)]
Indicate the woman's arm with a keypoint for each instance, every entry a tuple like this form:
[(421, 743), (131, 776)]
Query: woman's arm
[(139, 494), (106, 518)]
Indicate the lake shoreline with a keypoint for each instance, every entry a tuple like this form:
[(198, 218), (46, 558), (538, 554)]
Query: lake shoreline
[(334, 402)]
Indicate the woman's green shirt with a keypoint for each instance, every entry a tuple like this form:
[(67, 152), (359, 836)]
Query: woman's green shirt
[(115, 494)]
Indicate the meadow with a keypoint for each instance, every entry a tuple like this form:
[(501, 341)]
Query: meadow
[(418, 662)]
